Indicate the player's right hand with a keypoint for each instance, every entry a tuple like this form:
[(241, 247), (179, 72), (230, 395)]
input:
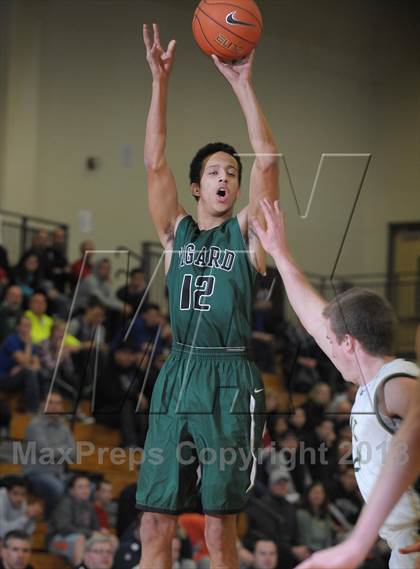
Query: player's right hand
[(273, 238), (159, 60)]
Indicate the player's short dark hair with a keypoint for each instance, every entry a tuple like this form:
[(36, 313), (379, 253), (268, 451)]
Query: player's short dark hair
[(196, 165), (15, 534), (366, 316)]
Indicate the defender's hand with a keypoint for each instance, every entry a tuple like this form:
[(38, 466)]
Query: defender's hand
[(273, 238), (236, 73), (159, 60), (343, 556), (415, 548)]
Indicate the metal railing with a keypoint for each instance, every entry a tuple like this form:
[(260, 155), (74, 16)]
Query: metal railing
[(17, 231)]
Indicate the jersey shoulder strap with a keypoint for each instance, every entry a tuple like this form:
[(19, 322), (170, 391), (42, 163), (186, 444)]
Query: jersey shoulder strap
[(187, 227), (390, 424)]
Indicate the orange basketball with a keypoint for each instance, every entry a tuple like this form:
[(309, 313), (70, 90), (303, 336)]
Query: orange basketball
[(230, 29)]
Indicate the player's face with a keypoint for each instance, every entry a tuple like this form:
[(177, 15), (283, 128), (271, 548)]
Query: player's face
[(219, 184), (342, 355)]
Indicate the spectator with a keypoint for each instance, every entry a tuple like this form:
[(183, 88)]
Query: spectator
[(87, 327), (16, 551), (346, 501), (316, 406), (144, 329), (49, 431), (264, 327), (27, 275), (288, 457), (55, 355), (15, 512), (101, 502), (117, 396), (20, 366), (274, 518), (129, 552), (324, 442), (272, 406), (134, 292), (10, 311), (4, 263), (297, 423), (314, 521), (73, 521), (82, 267), (37, 314), (99, 553), (279, 426), (265, 554), (98, 285), (40, 243), (5, 417), (126, 511), (179, 562), (57, 268), (193, 526)]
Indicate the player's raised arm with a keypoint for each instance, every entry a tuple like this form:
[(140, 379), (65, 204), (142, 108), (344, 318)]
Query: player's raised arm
[(305, 300), (163, 198), (264, 173)]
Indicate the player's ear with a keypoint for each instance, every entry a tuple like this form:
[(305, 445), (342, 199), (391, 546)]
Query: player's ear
[(195, 190), (349, 343)]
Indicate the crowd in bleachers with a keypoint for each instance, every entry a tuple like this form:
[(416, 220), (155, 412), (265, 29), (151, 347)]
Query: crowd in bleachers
[(58, 348)]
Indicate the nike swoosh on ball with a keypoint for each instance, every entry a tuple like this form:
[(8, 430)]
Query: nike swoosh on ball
[(230, 19)]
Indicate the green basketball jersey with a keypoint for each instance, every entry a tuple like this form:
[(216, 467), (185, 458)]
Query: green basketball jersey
[(210, 282)]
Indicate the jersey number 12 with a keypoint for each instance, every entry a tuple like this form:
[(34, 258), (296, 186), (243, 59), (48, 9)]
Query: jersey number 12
[(193, 295)]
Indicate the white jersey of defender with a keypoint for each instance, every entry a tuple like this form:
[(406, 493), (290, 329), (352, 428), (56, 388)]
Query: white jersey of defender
[(371, 443)]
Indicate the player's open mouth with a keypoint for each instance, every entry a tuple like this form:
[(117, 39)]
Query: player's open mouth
[(221, 195)]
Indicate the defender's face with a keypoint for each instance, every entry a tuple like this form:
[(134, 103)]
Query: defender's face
[(342, 355), (219, 184)]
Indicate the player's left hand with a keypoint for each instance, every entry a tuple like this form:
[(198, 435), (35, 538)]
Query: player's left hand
[(236, 72)]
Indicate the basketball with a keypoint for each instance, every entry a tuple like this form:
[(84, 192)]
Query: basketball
[(228, 29)]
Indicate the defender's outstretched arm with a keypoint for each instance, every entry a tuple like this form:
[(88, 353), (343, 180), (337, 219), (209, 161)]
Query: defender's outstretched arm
[(305, 300)]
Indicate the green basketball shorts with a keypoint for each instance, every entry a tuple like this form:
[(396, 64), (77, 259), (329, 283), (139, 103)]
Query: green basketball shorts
[(206, 421)]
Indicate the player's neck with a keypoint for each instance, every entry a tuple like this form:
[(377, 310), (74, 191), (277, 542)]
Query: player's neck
[(206, 220), (370, 366)]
